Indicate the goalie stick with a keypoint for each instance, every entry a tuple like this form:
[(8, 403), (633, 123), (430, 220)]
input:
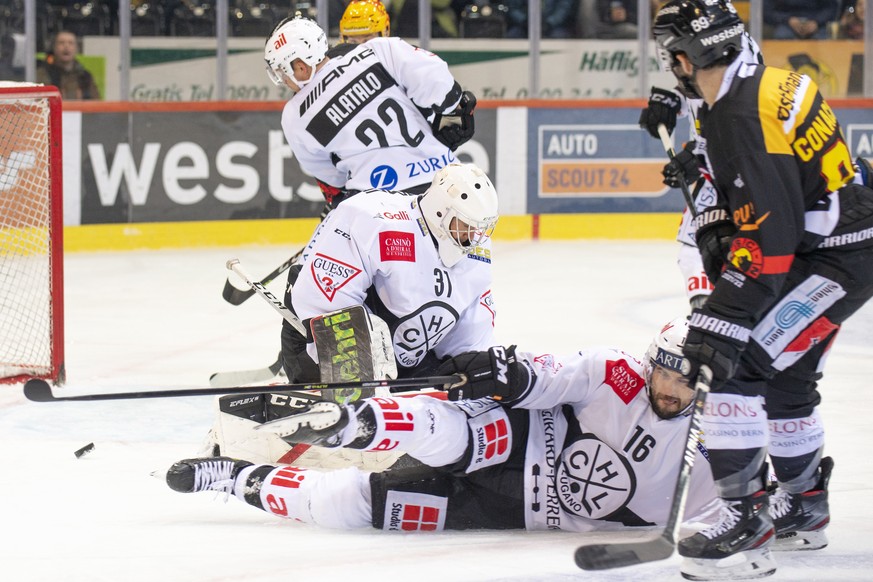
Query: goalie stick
[(617, 555), (37, 390), (683, 186), (235, 266), (236, 296), (223, 379)]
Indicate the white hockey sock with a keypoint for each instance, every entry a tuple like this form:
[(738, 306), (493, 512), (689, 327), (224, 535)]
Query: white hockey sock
[(433, 431), (334, 499)]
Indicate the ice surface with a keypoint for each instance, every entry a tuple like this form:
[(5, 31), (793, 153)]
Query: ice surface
[(157, 319)]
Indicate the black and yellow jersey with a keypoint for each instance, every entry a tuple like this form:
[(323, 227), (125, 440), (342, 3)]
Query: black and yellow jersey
[(778, 157)]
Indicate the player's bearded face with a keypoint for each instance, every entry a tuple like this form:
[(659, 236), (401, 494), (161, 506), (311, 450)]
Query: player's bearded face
[(669, 392)]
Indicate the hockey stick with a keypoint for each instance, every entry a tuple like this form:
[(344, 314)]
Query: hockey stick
[(256, 287), (40, 391), (617, 555), (222, 379), (236, 296), (683, 186)]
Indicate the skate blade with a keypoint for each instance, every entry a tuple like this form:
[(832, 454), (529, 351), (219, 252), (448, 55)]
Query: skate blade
[(801, 541), (320, 416), (746, 565)]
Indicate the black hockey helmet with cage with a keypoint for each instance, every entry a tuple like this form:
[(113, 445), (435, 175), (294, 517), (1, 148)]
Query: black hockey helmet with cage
[(706, 31)]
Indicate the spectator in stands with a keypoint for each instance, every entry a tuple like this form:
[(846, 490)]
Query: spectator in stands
[(558, 18), (616, 19), (61, 69), (852, 21), (11, 68), (800, 19), (444, 17)]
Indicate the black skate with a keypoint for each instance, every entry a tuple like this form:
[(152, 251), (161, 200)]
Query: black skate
[(207, 474), (322, 424), (801, 518), (735, 548)]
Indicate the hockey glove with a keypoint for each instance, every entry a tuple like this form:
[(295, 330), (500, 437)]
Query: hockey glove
[(715, 231), (716, 342), (491, 374), (684, 166), (663, 108), (457, 127), (866, 171)]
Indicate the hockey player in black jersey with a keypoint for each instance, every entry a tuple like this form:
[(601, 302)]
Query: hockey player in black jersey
[(789, 248)]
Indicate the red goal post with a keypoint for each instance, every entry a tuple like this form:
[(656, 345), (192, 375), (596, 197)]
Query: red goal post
[(31, 234)]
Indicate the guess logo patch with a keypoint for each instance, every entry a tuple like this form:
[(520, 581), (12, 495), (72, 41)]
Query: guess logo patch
[(623, 380), (396, 246), (330, 274)]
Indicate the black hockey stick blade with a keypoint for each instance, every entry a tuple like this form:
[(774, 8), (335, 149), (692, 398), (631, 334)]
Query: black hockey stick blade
[(40, 391), (608, 556), (236, 296)]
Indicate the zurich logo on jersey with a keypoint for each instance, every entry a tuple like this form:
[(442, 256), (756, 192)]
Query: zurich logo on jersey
[(383, 178)]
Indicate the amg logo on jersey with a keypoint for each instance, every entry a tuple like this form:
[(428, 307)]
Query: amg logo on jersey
[(343, 107), (396, 246), (623, 380), (333, 75), (330, 274)]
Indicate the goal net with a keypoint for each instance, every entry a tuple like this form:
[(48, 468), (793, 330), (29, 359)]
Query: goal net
[(31, 234)]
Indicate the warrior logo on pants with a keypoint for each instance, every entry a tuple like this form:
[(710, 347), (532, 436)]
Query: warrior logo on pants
[(593, 480)]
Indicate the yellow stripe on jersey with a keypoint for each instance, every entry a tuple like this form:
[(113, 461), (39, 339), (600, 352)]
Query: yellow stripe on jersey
[(785, 99)]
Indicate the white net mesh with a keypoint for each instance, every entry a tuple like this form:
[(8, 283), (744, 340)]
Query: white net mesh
[(25, 236)]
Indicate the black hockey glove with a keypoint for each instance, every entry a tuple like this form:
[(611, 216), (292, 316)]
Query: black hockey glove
[(685, 165), (715, 231), (457, 127), (494, 373), (716, 342), (663, 108), (866, 171)]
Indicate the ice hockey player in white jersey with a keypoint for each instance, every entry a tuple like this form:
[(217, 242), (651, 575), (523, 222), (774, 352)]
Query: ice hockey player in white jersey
[(384, 115), (664, 108), (591, 440), (420, 263)]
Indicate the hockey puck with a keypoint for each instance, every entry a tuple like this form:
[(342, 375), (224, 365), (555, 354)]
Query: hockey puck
[(84, 450)]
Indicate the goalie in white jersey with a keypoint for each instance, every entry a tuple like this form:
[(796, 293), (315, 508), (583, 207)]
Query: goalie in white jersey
[(591, 440), (420, 263), (381, 115)]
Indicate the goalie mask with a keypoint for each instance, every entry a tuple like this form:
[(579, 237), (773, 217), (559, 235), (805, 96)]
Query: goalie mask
[(292, 39), (664, 366), (460, 209), (363, 20), (705, 31)]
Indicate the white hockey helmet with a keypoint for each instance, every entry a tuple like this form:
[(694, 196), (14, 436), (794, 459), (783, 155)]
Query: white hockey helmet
[(292, 39), (460, 208), (665, 351)]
